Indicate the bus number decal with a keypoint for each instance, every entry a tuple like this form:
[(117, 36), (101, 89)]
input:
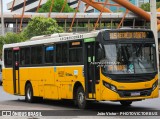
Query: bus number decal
[(71, 37)]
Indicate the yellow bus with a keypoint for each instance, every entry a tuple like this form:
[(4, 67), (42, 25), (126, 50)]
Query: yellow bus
[(106, 65)]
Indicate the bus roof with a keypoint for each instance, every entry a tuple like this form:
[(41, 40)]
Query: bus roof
[(53, 38), (62, 37)]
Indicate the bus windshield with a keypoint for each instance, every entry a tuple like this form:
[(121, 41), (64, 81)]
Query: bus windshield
[(136, 58)]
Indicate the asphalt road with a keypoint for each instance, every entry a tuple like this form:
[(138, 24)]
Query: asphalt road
[(11, 102)]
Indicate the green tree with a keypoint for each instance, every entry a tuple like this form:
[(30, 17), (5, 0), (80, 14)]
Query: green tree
[(1, 44), (158, 4), (146, 6), (37, 26), (14, 38), (10, 38), (41, 26), (57, 6)]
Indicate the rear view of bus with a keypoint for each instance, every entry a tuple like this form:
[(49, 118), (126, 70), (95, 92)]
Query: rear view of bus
[(128, 65)]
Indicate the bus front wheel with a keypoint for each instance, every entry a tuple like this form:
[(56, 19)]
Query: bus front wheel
[(126, 103), (80, 98), (29, 93)]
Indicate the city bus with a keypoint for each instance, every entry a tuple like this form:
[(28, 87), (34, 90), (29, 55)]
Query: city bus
[(105, 65)]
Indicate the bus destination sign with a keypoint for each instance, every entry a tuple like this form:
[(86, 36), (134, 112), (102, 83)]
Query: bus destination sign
[(128, 35)]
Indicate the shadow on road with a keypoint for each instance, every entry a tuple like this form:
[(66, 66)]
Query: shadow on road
[(97, 106)]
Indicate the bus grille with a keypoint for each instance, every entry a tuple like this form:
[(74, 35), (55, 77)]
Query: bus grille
[(132, 78), (134, 93)]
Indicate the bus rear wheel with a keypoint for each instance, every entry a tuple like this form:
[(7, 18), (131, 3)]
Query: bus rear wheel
[(29, 93), (126, 103), (80, 98)]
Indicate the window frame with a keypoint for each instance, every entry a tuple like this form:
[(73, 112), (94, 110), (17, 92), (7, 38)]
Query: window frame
[(25, 65), (44, 54), (5, 60), (42, 63), (61, 63), (73, 48)]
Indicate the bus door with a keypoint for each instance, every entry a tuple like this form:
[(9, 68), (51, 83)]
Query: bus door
[(90, 69), (16, 82)]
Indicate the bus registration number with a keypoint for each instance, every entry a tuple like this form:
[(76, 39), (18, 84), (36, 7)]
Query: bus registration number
[(135, 94)]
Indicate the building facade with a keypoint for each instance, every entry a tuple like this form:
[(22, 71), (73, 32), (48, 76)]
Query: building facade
[(137, 3), (31, 5)]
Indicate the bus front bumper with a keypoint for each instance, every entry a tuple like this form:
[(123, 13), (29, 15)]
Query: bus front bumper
[(129, 94)]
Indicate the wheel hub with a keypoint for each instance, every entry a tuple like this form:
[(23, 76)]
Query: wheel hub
[(29, 93), (81, 97)]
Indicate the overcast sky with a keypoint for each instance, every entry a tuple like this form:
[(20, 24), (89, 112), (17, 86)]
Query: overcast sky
[(5, 4)]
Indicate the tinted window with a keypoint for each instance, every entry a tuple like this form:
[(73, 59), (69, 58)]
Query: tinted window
[(25, 56), (8, 58), (61, 53), (75, 55), (49, 54), (36, 55), (75, 51)]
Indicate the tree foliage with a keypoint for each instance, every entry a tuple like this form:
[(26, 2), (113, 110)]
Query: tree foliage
[(37, 26), (41, 26), (57, 6), (10, 38), (146, 6)]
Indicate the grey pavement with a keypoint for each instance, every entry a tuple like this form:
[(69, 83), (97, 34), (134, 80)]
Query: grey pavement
[(11, 102)]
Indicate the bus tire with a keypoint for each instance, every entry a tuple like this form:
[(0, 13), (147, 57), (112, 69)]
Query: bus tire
[(126, 103), (80, 98), (29, 93)]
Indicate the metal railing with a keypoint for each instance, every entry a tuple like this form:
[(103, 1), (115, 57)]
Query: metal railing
[(78, 29), (88, 29)]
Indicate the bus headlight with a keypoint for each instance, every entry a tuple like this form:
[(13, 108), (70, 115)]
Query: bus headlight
[(154, 85), (110, 86)]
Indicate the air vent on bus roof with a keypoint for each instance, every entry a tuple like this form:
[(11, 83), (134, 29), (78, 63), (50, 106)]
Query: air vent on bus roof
[(40, 37), (55, 35), (66, 34)]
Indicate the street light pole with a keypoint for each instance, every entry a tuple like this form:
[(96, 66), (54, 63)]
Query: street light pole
[(2, 18), (154, 27)]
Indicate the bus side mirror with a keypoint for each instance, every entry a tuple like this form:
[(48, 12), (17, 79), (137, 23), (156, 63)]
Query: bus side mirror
[(100, 54)]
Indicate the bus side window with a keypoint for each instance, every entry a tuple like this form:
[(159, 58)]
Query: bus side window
[(36, 55), (64, 53), (75, 55), (22, 56), (61, 53), (8, 58), (75, 52), (49, 50), (25, 56)]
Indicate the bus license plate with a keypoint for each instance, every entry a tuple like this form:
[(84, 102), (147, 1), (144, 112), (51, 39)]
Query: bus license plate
[(135, 94)]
